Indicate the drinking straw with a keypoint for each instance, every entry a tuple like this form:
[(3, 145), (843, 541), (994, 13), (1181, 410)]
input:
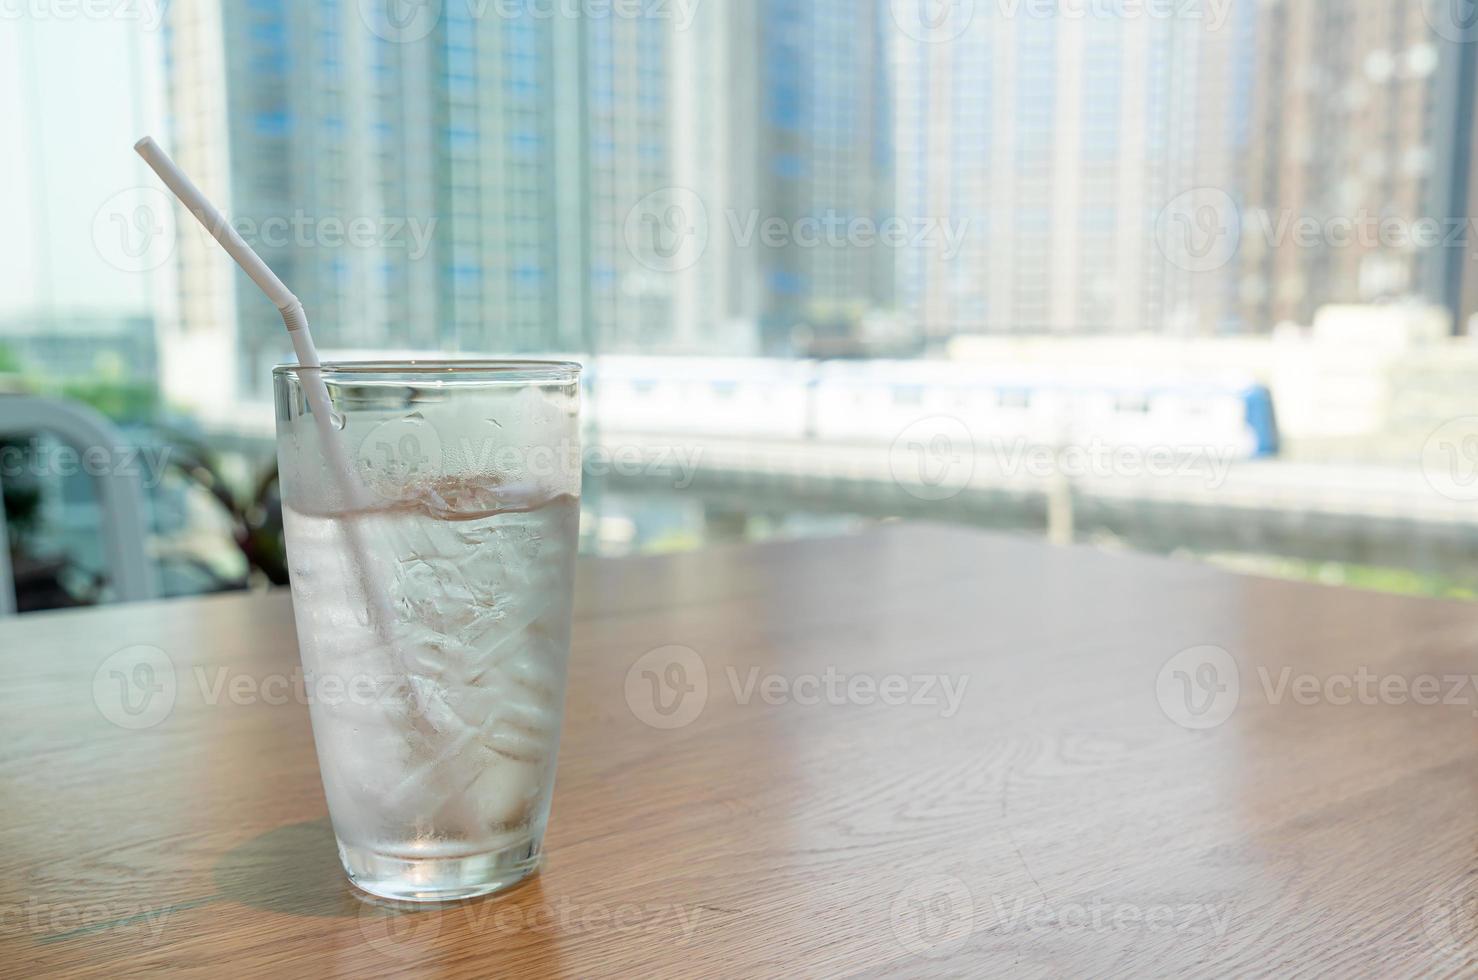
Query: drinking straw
[(356, 497), (293, 315)]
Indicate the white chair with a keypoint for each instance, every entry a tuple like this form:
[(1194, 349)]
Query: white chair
[(120, 495)]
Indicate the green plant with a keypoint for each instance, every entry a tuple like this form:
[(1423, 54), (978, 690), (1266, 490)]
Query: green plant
[(255, 511)]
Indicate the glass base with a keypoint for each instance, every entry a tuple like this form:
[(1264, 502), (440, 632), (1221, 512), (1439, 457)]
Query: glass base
[(438, 877)]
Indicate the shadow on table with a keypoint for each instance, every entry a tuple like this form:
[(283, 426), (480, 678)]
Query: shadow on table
[(293, 869)]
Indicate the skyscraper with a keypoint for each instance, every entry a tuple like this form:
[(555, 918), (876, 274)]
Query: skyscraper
[(1056, 140), (400, 178), (703, 131), (628, 87), (823, 156), (1359, 130)]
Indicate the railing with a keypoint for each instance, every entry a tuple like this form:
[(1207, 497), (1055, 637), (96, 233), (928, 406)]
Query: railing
[(120, 495)]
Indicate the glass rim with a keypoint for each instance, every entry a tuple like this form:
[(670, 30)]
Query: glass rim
[(433, 369)]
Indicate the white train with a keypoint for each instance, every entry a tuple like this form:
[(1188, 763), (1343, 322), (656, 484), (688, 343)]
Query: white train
[(866, 402)]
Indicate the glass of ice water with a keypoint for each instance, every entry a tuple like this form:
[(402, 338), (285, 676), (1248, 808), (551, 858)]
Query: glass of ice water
[(432, 589)]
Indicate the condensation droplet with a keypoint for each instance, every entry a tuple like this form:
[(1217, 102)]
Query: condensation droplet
[(337, 420)]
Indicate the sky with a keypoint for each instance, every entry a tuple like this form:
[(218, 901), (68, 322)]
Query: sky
[(75, 93)]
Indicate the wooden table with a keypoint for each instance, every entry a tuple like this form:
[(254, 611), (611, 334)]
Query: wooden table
[(1094, 802)]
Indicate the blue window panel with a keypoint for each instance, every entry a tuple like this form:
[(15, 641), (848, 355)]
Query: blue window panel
[(268, 33), (272, 123), (461, 136), (269, 63), (525, 142), (785, 283), (787, 165)]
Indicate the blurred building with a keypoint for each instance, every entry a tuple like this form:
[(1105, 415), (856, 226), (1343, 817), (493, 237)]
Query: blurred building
[(400, 178), (825, 160), (628, 88), (1057, 141), (80, 346), (1361, 130), (778, 127)]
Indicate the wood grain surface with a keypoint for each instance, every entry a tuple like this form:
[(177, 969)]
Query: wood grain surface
[(920, 751)]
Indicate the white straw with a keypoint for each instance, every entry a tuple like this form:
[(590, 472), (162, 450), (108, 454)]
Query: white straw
[(293, 315), (356, 498)]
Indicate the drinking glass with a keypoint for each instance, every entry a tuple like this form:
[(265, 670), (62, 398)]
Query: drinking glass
[(431, 534)]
